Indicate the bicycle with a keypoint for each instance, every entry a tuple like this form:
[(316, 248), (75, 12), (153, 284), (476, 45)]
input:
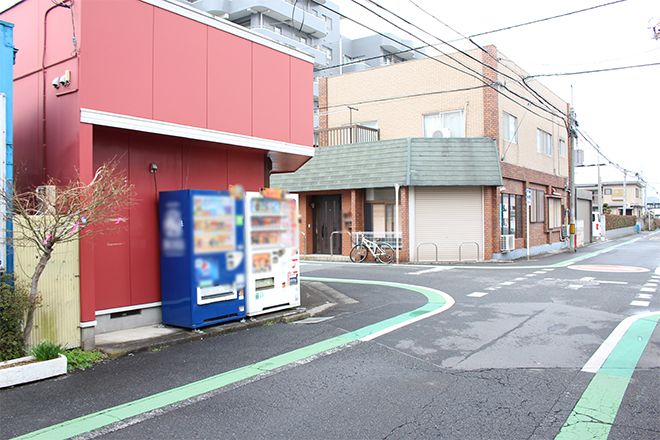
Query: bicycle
[(383, 252)]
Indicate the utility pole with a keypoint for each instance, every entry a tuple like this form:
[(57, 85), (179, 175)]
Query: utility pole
[(572, 140)]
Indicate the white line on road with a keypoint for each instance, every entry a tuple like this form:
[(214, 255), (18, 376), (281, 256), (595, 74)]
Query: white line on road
[(644, 296), (435, 269), (507, 283), (640, 303), (611, 282), (477, 294), (647, 289)]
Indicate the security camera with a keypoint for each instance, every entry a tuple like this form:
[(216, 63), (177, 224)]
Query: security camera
[(65, 79), (56, 83)]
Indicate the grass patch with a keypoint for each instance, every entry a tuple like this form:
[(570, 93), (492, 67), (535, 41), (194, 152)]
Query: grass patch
[(78, 359)]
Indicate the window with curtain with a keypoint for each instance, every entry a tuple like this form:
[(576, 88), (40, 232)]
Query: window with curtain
[(510, 125), (434, 123), (543, 142), (554, 213), (537, 211)]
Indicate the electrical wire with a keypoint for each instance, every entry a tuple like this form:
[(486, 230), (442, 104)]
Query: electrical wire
[(593, 71), (492, 84)]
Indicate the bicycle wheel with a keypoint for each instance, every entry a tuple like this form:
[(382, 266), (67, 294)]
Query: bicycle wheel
[(358, 253), (385, 253)]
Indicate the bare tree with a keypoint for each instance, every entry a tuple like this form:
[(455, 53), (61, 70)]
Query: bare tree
[(53, 214)]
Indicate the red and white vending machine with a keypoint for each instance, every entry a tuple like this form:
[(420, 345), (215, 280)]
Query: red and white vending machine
[(271, 238)]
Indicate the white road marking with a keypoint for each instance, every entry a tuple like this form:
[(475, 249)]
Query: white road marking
[(644, 296), (596, 361), (477, 294), (575, 286), (611, 282), (530, 275), (489, 288), (519, 279), (435, 269), (507, 283), (640, 303), (651, 285), (540, 271), (585, 279), (648, 289)]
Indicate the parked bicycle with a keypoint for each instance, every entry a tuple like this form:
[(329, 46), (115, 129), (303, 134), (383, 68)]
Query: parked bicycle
[(381, 251)]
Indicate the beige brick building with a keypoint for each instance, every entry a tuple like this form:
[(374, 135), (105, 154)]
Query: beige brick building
[(477, 94)]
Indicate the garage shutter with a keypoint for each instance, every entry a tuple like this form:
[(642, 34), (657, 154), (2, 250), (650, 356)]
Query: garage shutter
[(448, 216)]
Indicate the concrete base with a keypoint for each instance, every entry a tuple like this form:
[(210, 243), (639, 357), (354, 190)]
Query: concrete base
[(113, 322), (536, 250)]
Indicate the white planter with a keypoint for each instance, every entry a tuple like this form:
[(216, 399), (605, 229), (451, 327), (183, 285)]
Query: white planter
[(30, 372)]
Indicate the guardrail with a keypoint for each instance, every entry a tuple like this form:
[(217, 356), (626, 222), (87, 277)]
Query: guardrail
[(417, 251), (460, 259), (332, 234)]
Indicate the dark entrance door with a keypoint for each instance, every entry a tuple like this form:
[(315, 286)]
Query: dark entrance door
[(327, 219)]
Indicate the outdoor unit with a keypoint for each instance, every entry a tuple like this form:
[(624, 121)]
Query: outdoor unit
[(442, 133), (508, 243), (46, 197)]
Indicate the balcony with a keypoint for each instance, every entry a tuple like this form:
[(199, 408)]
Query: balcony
[(350, 134)]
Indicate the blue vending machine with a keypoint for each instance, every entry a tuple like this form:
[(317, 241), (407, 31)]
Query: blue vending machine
[(202, 264)]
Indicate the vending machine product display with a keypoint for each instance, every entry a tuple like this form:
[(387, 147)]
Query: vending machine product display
[(271, 231), (202, 257)]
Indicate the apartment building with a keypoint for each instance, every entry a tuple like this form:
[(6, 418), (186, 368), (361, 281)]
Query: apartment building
[(470, 96), (614, 194)]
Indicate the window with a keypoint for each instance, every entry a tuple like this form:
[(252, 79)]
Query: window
[(637, 192), (544, 142), (277, 30), (510, 128), (302, 39), (562, 148), (537, 211), (328, 52), (512, 215), (447, 124), (607, 191), (328, 23), (554, 213)]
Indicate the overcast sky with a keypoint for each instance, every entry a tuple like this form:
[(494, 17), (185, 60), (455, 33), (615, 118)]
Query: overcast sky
[(619, 110)]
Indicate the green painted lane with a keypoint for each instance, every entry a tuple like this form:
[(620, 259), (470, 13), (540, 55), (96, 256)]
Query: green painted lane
[(590, 255), (596, 410), (437, 302)]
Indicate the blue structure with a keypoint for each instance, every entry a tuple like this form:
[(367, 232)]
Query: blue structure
[(202, 257), (7, 58)]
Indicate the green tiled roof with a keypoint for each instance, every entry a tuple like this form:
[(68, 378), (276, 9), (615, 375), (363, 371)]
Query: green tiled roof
[(408, 162)]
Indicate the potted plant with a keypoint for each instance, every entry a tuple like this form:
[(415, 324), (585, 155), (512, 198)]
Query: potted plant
[(46, 361)]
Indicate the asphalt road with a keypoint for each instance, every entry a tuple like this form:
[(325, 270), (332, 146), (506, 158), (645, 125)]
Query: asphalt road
[(496, 351)]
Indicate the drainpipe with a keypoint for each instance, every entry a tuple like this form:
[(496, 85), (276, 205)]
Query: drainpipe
[(465, 118), (396, 217)]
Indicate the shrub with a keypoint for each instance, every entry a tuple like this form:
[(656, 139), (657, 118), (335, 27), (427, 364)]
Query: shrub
[(619, 221), (14, 304), (45, 351)]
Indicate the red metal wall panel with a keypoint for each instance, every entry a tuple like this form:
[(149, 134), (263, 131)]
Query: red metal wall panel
[(302, 107), (112, 267), (117, 64), (246, 168), (229, 83), (271, 102), (180, 52)]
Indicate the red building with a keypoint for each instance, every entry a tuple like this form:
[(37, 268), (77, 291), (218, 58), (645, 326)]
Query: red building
[(149, 82)]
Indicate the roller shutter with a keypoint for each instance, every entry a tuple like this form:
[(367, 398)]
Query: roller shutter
[(448, 216)]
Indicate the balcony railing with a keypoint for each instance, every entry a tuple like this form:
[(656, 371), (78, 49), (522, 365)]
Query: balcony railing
[(350, 134)]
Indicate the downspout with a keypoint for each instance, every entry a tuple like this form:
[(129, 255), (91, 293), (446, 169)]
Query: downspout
[(408, 159), (465, 118)]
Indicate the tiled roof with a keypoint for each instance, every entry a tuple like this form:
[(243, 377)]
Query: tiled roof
[(408, 162)]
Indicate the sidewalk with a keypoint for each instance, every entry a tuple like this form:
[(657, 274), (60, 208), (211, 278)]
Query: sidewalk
[(313, 301)]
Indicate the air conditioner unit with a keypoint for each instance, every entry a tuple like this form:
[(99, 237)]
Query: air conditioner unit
[(508, 243), (442, 133), (46, 198)]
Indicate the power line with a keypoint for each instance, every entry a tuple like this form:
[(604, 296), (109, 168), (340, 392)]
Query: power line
[(593, 71), (493, 83), (546, 19)]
